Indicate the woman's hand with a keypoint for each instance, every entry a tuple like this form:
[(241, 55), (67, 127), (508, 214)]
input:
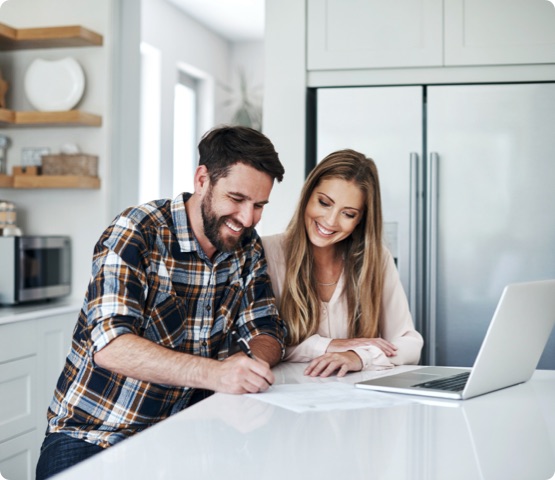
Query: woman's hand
[(344, 344), (340, 362)]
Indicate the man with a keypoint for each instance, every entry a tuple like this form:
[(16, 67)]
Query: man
[(170, 281)]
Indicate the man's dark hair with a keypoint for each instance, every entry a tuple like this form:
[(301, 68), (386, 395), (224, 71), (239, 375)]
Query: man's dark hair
[(223, 147)]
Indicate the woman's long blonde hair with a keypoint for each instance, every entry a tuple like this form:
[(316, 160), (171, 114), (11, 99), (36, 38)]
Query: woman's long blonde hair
[(362, 253)]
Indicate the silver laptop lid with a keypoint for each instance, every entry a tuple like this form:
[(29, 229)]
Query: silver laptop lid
[(510, 351), (515, 339)]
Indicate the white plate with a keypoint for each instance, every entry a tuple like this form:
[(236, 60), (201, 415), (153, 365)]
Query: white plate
[(54, 85)]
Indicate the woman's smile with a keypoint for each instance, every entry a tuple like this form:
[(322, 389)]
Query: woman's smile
[(333, 211)]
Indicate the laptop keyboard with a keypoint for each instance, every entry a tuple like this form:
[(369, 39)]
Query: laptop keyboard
[(454, 383)]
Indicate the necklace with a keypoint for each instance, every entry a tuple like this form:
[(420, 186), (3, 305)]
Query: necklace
[(330, 284)]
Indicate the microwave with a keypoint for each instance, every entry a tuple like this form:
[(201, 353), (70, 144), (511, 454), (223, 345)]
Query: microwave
[(34, 268)]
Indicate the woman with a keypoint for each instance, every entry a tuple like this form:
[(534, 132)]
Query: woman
[(337, 287)]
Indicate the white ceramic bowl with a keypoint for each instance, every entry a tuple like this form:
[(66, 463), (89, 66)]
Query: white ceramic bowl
[(54, 85)]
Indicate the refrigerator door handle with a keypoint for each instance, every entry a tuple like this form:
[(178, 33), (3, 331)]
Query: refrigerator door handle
[(431, 255), (414, 256)]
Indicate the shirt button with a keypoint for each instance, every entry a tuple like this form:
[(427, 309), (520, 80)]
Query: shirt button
[(208, 308), (204, 343)]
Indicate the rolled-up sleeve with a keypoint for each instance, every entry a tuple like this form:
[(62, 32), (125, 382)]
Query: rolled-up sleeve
[(259, 314), (396, 324)]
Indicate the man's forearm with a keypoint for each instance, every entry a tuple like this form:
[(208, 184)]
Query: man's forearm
[(266, 348), (139, 358)]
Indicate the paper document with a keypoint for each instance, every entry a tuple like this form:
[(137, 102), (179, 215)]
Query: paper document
[(318, 397)]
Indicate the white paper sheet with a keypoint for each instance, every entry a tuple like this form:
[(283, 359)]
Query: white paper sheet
[(318, 397)]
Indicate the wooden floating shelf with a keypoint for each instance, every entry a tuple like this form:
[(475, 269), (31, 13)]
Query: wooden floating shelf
[(47, 37), (49, 181), (70, 118), (6, 116), (6, 181)]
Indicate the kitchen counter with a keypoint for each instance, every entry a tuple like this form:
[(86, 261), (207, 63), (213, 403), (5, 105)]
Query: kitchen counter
[(19, 313), (507, 434)]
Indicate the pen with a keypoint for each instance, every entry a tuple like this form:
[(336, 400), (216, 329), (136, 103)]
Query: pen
[(244, 346)]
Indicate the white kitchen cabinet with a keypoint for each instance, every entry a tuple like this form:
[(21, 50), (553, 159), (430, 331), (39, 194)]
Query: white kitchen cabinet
[(499, 32), (366, 34), (17, 391), (17, 457), (350, 34), (18, 408), (54, 336), (33, 346)]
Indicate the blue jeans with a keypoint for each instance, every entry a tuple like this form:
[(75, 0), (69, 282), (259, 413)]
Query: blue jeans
[(60, 451)]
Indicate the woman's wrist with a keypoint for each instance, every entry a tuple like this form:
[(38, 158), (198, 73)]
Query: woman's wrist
[(356, 357)]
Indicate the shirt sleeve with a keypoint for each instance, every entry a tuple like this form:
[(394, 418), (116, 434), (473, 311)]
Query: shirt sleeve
[(396, 326), (307, 350), (259, 315), (115, 294)]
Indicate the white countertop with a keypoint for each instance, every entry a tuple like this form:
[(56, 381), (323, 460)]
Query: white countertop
[(509, 434), (30, 311)]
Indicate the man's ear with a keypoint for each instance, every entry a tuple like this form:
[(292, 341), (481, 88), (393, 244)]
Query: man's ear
[(202, 179)]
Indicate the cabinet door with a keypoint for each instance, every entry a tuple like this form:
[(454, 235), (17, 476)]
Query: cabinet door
[(54, 334), (499, 32), (17, 458), (17, 340), (351, 34), (17, 397)]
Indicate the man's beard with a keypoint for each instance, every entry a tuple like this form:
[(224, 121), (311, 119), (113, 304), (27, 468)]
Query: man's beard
[(212, 223)]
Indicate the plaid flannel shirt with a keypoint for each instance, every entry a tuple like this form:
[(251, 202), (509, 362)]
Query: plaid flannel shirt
[(151, 278)]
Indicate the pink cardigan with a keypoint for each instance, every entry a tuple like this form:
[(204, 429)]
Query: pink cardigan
[(396, 323)]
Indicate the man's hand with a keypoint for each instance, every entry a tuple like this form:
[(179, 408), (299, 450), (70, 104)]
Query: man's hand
[(241, 374)]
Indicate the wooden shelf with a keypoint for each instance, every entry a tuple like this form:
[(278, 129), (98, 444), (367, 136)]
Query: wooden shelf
[(6, 116), (47, 37), (70, 118), (6, 181), (49, 181)]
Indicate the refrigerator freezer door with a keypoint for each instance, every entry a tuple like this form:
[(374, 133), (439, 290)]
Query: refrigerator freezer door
[(386, 125), (495, 157)]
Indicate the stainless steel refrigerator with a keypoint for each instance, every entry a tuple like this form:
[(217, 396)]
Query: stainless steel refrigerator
[(468, 185)]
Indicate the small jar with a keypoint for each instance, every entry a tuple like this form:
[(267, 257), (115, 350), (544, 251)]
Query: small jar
[(8, 227)]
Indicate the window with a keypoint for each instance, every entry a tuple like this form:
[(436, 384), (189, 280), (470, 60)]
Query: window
[(168, 157), (193, 116), (149, 165), (185, 133)]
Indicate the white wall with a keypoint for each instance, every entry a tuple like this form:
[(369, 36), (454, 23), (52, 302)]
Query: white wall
[(112, 91), (247, 58), (82, 214), (285, 105), (181, 40)]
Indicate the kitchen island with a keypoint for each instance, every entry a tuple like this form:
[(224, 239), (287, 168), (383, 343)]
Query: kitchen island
[(507, 434)]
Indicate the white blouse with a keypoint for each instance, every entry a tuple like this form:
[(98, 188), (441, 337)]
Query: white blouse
[(395, 323)]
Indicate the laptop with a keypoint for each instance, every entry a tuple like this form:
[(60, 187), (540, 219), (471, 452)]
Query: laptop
[(510, 352)]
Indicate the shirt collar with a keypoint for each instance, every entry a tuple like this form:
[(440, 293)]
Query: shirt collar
[(184, 233)]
